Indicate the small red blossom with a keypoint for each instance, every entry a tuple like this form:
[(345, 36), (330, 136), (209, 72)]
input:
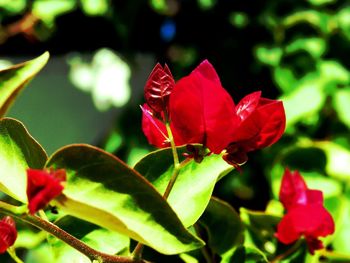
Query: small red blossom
[(43, 186), (305, 215), (201, 111), (8, 233)]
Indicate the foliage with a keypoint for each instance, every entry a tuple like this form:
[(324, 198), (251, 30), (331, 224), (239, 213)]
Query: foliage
[(293, 50)]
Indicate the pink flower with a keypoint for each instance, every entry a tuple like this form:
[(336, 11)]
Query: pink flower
[(43, 186), (8, 233), (201, 111), (305, 215)]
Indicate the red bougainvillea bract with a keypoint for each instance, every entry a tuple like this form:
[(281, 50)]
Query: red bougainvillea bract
[(200, 110), (8, 233), (306, 215), (43, 186)]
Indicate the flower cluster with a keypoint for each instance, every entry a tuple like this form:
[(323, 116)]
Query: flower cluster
[(199, 110), (8, 233), (43, 186), (306, 215)]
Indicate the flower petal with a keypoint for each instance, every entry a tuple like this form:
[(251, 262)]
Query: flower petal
[(293, 189), (42, 187), (201, 111), (312, 221), (8, 233), (261, 125), (153, 128)]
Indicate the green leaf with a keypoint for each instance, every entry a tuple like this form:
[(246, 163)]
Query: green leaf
[(14, 79), (298, 104), (314, 46), (244, 254), (341, 104), (194, 185), (284, 78), (269, 56), (103, 190), (261, 227), (18, 151), (338, 159), (98, 238), (223, 224), (320, 2)]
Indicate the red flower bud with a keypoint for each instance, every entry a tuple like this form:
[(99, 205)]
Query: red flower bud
[(305, 215), (8, 233), (158, 88), (42, 187)]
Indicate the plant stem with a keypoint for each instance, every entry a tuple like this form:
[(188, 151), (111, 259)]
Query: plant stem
[(291, 250), (137, 253), (204, 249), (12, 253), (54, 230)]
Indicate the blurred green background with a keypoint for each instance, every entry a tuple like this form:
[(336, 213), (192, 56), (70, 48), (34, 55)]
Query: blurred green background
[(102, 52)]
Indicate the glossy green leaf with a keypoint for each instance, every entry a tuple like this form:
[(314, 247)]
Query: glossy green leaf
[(18, 151), (103, 190), (194, 185), (341, 104), (223, 224), (98, 238), (14, 79)]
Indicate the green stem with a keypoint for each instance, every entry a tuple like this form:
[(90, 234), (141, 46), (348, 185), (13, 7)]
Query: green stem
[(204, 249), (54, 230), (290, 251), (12, 253), (137, 253)]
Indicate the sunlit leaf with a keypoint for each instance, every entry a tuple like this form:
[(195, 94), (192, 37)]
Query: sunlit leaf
[(95, 7), (333, 71), (269, 56), (100, 239), (13, 6), (341, 104), (14, 79), (261, 228), (306, 100), (314, 46), (223, 225), (245, 254), (284, 78), (48, 10), (343, 18), (321, 2), (101, 189), (338, 159), (18, 151), (194, 184), (317, 19), (342, 230)]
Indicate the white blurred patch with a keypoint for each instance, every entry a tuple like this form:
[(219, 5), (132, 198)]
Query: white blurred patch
[(4, 64), (106, 77)]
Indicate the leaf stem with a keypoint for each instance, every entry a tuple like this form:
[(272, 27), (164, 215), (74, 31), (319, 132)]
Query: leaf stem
[(290, 251), (12, 253), (137, 253), (54, 230)]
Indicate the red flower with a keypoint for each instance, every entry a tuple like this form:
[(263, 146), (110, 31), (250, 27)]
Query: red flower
[(305, 213), (42, 187), (8, 233), (201, 111)]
